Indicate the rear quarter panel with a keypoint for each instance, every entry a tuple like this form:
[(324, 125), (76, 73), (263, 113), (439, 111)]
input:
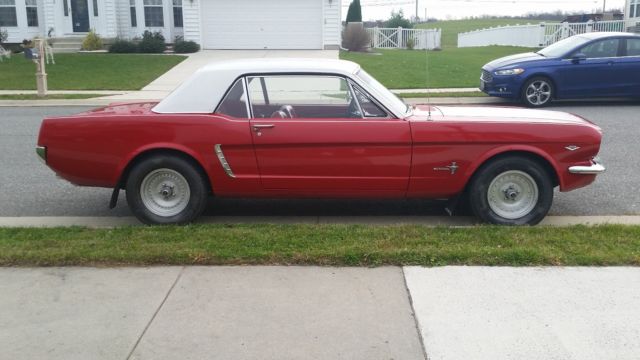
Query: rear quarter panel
[(94, 149)]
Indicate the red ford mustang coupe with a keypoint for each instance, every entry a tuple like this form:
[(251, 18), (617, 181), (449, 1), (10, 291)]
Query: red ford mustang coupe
[(318, 128)]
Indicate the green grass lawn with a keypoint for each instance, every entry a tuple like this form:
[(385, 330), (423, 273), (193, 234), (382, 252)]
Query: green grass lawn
[(48, 97), (442, 95), (449, 68), (451, 28), (88, 71), (340, 245)]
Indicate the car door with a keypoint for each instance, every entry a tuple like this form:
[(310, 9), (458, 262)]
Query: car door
[(629, 64), (597, 75), (312, 137)]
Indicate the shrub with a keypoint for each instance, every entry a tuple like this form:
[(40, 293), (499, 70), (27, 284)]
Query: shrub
[(92, 41), (355, 38), (121, 46), (354, 14), (185, 47), (152, 42), (4, 35), (397, 19), (411, 43)]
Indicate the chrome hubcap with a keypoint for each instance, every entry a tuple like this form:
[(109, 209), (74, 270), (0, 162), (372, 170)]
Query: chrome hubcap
[(538, 92), (512, 194), (165, 192)]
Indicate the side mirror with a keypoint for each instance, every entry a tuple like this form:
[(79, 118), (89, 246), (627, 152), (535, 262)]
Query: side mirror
[(577, 58)]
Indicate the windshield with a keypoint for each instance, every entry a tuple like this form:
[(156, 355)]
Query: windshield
[(562, 47), (390, 97)]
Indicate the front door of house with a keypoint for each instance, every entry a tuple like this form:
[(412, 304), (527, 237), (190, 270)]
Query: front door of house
[(80, 15)]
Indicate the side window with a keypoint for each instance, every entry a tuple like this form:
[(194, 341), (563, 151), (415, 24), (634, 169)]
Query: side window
[(601, 49), (301, 96), (368, 106), (633, 47), (234, 103)]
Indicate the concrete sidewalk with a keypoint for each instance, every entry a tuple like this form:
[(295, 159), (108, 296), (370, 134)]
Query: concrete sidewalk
[(320, 313)]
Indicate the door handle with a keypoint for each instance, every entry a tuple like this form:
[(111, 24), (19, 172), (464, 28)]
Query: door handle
[(258, 127)]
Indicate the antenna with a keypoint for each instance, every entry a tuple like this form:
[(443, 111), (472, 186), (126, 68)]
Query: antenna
[(426, 52)]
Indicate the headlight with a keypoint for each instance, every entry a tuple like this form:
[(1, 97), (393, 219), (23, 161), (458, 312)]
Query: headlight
[(510, 72)]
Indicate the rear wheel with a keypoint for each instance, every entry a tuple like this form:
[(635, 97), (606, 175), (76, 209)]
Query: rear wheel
[(166, 189), (538, 92), (511, 191)]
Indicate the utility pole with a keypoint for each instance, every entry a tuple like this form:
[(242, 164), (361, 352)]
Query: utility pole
[(417, 14), (604, 8)]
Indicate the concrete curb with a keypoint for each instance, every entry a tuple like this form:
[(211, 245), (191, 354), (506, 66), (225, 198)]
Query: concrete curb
[(455, 221)]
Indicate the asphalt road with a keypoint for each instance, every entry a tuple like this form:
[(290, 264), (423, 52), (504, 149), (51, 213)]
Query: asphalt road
[(29, 188)]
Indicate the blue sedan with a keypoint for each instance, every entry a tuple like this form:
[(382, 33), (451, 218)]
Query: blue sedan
[(582, 66)]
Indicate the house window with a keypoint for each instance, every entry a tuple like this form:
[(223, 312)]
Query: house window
[(8, 13), (634, 9), (132, 11), (32, 12), (177, 13), (153, 14), (95, 7), (65, 5)]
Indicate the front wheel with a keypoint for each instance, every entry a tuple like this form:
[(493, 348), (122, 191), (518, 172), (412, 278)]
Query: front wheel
[(166, 189), (538, 92), (511, 191)]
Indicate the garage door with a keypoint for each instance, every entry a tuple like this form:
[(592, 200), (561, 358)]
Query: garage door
[(261, 24)]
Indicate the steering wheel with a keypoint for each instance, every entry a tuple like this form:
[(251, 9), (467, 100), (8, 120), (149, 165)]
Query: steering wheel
[(289, 111)]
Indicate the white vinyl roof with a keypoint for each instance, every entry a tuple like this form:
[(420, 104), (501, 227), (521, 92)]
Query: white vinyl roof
[(202, 92)]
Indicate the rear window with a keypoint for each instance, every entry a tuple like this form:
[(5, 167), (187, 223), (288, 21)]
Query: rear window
[(633, 47), (234, 103)]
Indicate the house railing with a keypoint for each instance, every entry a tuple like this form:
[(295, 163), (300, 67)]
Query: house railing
[(399, 38), (538, 35)]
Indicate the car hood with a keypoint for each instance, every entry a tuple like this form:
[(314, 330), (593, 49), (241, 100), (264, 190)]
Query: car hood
[(496, 114), (512, 60)]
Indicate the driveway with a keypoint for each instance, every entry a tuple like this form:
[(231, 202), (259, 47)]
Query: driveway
[(161, 86)]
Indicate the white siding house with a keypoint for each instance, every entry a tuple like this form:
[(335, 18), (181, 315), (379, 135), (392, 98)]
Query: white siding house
[(214, 24), (632, 11)]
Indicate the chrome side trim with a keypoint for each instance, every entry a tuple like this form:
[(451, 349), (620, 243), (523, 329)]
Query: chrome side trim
[(594, 169), (223, 161), (42, 153)]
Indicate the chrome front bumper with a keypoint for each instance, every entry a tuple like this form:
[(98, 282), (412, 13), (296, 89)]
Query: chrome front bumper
[(594, 169)]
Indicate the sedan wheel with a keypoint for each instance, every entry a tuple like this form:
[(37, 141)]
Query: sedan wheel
[(537, 92), (166, 189), (511, 191)]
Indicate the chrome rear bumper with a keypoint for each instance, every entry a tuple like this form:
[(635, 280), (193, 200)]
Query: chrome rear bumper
[(594, 169)]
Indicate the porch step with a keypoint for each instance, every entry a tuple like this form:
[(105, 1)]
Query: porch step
[(67, 44)]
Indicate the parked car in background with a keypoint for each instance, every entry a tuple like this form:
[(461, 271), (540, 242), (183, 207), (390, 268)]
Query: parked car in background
[(318, 128), (590, 65)]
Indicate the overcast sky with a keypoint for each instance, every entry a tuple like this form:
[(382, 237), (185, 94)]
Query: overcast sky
[(456, 9)]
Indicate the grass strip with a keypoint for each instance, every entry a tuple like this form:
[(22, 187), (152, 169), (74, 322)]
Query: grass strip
[(48, 97), (441, 95), (339, 245)]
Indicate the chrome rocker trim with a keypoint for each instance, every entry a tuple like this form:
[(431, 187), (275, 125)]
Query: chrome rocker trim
[(223, 161), (594, 169)]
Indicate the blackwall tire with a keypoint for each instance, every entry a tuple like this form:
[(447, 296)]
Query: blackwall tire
[(511, 191), (166, 189), (538, 92)]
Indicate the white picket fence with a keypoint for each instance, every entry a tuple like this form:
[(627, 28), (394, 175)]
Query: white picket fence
[(397, 38), (536, 35)]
